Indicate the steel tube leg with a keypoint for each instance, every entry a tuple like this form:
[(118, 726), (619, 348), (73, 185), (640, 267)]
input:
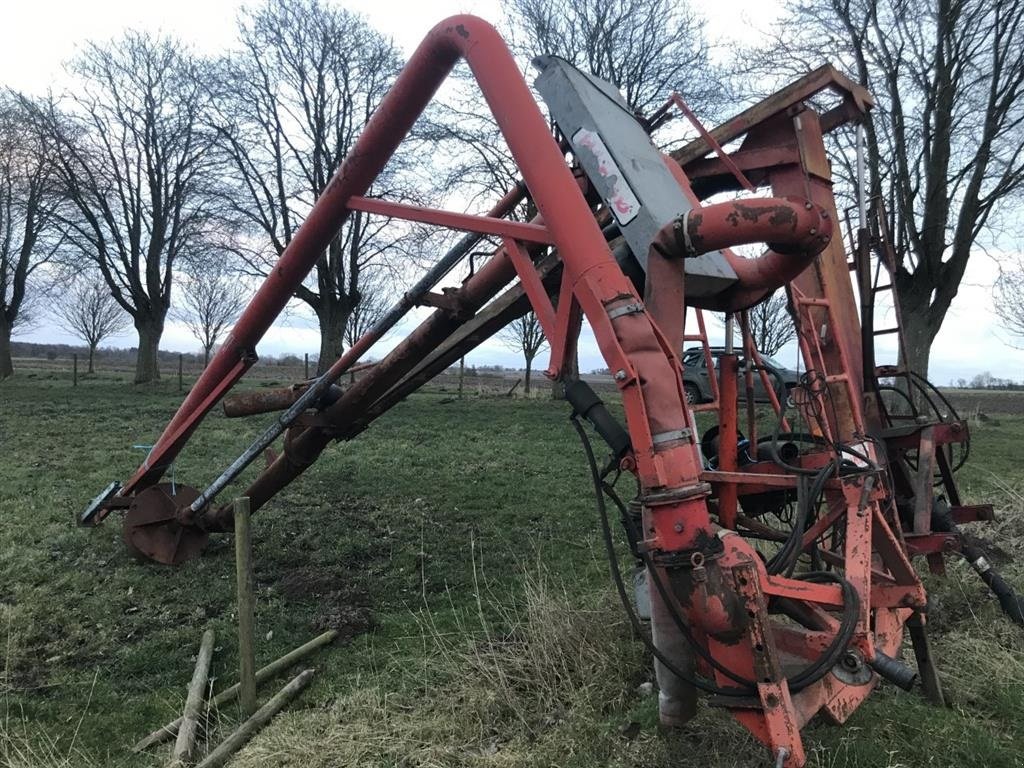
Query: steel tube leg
[(925, 664), (677, 699)]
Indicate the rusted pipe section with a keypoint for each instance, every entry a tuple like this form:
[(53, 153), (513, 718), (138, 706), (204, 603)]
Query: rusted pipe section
[(303, 446), (242, 404), (795, 230), (261, 401)]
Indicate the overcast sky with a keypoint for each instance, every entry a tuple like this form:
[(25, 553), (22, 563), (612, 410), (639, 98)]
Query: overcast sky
[(37, 37)]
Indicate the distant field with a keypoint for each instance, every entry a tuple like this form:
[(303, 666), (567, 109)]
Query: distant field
[(264, 373), (988, 401), (455, 546)]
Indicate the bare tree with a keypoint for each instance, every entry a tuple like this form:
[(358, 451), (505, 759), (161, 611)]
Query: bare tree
[(212, 299), (374, 302), (290, 104), (946, 142), (770, 324), (131, 157), (525, 335), (646, 48), (1008, 298), (28, 239), (90, 312)]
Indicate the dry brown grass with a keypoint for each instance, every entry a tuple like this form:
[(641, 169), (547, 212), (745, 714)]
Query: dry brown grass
[(490, 692)]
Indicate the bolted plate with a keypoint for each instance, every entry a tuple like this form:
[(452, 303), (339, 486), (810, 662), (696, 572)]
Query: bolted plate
[(151, 528)]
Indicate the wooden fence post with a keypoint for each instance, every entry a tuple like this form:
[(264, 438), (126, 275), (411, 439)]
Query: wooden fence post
[(246, 618), (307, 366), (180, 386), (74, 371), (185, 746)]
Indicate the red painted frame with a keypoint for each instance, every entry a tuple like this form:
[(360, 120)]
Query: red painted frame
[(676, 516)]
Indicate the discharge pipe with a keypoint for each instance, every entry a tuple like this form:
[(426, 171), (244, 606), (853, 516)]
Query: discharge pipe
[(796, 231)]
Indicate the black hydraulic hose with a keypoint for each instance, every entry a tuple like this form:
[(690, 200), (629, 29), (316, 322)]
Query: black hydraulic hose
[(804, 678), (620, 587), (848, 625), (785, 560), (1011, 603)]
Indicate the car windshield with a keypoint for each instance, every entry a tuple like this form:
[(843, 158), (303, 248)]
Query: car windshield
[(770, 361)]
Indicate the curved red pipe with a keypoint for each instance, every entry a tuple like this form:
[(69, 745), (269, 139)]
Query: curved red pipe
[(795, 230)]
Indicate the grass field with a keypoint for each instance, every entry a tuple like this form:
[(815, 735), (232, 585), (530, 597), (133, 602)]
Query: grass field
[(455, 547)]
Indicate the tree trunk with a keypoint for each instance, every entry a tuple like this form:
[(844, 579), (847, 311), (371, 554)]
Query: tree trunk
[(918, 335), (6, 364), (526, 381), (571, 373), (92, 356), (206, 357), (147, 364), (332, 320)]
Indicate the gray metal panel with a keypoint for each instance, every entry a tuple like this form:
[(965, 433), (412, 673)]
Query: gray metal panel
[(627, 170)]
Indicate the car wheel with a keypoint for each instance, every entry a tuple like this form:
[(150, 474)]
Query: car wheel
[(692, 394)]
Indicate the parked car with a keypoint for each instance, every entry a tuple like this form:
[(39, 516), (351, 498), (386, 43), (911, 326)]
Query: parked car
[(697, 377)]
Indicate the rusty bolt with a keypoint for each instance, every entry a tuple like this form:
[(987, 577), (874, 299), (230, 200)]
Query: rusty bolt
[(813, 231), (620, 375), (808, 206), (678, 527)]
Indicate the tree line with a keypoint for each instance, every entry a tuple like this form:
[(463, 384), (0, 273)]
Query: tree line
[(161, 184)]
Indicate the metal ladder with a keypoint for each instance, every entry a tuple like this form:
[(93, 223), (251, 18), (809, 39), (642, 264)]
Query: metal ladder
[(709, 361)]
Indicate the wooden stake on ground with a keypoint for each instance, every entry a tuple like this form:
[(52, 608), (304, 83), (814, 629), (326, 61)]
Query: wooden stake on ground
[(74, 375), (186, 743), (273, 669), (250, 727), (246, 600)]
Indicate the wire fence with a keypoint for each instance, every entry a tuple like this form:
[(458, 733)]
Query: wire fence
[(185, 369)]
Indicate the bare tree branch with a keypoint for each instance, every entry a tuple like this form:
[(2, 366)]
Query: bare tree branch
[(89, 311), (1008, 298), (28, 201), (525, 335), (132, 159), (212, 300), (290, 103)]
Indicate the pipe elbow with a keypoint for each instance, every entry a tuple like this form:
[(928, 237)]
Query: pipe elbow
[(794, 229)]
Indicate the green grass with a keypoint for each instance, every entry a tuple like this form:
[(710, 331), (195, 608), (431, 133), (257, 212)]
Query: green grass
[(462, 535)]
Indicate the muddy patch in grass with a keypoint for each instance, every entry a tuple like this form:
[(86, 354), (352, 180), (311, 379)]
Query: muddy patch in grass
[(337, 602)]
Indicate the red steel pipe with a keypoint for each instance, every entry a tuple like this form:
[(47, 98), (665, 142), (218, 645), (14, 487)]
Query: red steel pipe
[(299, 256), (631, 341), (795, 230)]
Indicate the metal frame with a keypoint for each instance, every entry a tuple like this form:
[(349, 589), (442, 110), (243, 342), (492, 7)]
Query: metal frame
[(719, 584)]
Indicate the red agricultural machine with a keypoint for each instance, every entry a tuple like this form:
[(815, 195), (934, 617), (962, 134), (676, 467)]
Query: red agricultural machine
[(778, 565)]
